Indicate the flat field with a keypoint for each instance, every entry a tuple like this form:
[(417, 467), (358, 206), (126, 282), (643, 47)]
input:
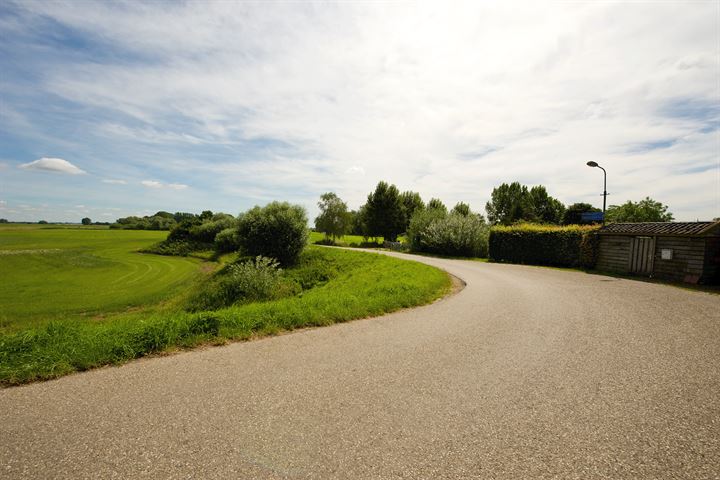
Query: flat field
[(53, 273)]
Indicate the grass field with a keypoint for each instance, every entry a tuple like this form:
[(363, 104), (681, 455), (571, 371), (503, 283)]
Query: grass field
[(58, 273), (70, 290), (344, 240)]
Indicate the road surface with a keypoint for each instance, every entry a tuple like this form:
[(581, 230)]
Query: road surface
[(526, 373)]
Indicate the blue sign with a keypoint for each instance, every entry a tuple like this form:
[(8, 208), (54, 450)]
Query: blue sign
[(591, 216)]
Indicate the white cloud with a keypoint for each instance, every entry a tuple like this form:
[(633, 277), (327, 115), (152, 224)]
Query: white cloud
[(156, 184), (114, 182), (49, 164)]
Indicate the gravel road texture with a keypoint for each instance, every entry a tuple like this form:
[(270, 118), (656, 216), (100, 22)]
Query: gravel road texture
[(526, 373)]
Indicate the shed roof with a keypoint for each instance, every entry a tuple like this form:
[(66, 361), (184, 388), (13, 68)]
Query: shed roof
[(662, 228)]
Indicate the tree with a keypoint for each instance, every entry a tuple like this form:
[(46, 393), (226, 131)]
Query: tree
[(546, 209), (357, 222), (277, 230), (183, 217), (3, 220), (461, 208), (411, 202), (516, 203), (86, 221), (573, 213), (334, 219), (646, 210), (436, 204), (509, 204), (384, 212)]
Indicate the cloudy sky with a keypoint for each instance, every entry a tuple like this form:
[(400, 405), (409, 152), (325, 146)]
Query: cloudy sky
[(110, 109)]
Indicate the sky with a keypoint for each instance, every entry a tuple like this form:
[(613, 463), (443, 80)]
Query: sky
[(109, 109)]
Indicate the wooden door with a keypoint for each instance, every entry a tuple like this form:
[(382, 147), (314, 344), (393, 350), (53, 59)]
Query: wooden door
[(642, 255)]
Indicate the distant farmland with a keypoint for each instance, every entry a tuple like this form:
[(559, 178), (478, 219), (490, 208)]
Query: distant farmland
[(54, 273)]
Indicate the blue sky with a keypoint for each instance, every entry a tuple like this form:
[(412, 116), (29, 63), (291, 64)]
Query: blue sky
[(115, 108)]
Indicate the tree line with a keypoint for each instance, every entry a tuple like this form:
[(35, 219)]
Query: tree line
[(388, 212)]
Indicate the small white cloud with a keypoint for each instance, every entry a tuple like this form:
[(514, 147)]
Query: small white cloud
[(156, 184), (114, 182), (151, 184), (3, 202), (57, 165), (79, 206), (356, 169)]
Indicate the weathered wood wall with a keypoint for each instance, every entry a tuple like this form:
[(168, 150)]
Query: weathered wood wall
[(712, 261), (614, 253), (687, 262), (695, 259)]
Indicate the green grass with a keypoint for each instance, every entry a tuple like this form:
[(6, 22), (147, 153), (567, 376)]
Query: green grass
[(336, 286), (344, 241), (60, 273)]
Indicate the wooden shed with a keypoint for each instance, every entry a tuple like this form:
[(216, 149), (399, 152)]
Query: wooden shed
[(678, 251)]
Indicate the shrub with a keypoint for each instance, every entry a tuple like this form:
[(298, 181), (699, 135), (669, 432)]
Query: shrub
[(457, 235), (227, 240), (248, 281), (433, 231), (206, 231), (419, 222), (254, 279), (543, 245), (278, 230)]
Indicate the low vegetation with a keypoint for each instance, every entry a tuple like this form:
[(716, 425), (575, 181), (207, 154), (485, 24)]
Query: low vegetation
[(325, 286)]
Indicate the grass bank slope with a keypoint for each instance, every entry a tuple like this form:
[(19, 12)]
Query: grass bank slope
[(336, 286), (62, 273)]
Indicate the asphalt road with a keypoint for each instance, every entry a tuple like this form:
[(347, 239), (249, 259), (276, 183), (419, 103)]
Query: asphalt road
[(526, 373)]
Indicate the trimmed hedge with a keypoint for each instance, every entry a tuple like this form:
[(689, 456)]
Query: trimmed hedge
[(570, 246)]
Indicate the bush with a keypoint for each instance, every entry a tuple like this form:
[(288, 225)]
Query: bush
[(419, 222), (278, 230), (180, 248), (227, 240), (543, 245), (206, 231), (433, 231), (253, 280)]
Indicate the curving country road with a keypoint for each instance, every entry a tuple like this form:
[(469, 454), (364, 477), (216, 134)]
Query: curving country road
[(526, 373)]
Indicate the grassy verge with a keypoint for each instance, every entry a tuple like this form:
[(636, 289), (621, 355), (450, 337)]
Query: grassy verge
[(336, 286)]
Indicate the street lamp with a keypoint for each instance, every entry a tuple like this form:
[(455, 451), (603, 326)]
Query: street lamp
[(594, 164)]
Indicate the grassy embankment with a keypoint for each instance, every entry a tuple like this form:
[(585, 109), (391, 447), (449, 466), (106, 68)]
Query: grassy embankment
[(46, 342)]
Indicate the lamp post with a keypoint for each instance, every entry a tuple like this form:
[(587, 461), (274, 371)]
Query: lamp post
[(594, 164)]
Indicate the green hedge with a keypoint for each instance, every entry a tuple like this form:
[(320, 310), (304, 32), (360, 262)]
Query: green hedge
[(570, 246)]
